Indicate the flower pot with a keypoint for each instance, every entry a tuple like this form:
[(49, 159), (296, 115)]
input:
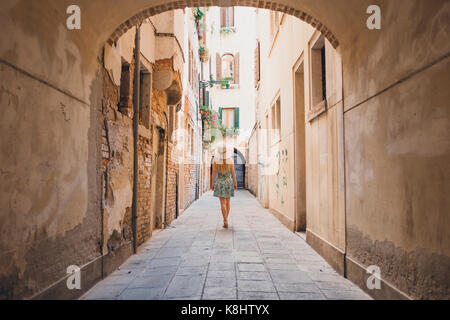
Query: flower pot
[(204, 55)]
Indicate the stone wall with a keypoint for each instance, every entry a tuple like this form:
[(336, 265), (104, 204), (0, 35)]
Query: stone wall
[(190, 183), (172, 185), (144, 190)]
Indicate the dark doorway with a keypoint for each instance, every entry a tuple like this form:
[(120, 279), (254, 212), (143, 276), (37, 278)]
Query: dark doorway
[(239, 167), (300, 149), (158, 179)]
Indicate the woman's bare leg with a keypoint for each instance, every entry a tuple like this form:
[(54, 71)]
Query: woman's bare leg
[(228, 206), (223, 205)]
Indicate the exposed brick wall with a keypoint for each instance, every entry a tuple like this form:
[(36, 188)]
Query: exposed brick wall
[(113, 104), (190, 183), (118, 102), (113, 154), (172, 174), (144, 190)]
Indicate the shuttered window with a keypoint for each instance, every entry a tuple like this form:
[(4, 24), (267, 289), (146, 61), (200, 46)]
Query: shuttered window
[(236, 68), (218, 67), (207, 98), (257, 63), (229, 117), (236, 118), (227, 17)]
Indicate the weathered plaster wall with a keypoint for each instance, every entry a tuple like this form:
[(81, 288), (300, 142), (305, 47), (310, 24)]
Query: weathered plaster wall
[(324, 143), (252, 167), (50, 188), (397, 160)]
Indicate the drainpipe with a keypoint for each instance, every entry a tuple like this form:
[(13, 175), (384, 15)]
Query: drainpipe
[(136, 103)]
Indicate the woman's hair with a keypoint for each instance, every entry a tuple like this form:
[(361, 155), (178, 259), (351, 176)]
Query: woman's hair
[(223, 166)]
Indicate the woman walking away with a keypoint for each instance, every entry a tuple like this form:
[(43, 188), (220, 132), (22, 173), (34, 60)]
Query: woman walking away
[(225, 183)]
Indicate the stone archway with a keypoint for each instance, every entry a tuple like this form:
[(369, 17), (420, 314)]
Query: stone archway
[(270, 5), (51, 92)]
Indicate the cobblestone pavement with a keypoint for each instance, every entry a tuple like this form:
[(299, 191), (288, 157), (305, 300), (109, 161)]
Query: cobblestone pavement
[(196, 258)]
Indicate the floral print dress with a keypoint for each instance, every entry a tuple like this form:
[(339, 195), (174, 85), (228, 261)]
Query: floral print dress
[(224, 185)]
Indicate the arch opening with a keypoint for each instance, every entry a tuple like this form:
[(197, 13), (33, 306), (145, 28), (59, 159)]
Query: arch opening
[(274, 6)]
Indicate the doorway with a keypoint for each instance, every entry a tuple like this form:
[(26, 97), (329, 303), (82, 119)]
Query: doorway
[(158, 179), (300, 148), (239, 168)]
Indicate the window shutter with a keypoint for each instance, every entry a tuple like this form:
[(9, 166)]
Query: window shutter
[(231, 17), (220, 113), (207, 99), (236, 68), (223, 17), (257, 63), (258, 66), (218, 67), (236, 118)]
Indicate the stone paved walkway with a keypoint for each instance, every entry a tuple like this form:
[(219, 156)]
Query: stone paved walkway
[(257, 258)]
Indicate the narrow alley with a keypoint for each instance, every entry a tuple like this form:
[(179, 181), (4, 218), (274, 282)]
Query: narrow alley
[(330, 120), (196, 258)]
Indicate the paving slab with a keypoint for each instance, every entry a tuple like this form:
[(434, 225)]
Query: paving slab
[(257, 258)]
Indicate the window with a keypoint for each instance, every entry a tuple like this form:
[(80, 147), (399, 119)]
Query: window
[(257, 63), (210, 68), (145, 97), (267, 136), (318, 72), (276, 121), (228, 67), (230, 117), (172, 123), (227, 17), (126, 90)]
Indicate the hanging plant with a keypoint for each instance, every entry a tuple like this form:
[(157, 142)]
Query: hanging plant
[(198, 15), (204, 53), (212, 123)]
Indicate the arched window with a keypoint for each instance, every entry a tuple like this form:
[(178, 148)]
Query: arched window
[(228, 67)]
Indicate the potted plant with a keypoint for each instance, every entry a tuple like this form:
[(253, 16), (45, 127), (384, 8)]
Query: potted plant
[(204, 53), (226, 82)]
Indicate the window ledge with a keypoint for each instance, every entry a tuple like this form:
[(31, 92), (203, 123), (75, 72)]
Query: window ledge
[(317, 110), (233, 86)]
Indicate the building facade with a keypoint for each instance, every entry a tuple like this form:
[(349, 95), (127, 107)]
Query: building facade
[(229, 34), (312, 174)]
